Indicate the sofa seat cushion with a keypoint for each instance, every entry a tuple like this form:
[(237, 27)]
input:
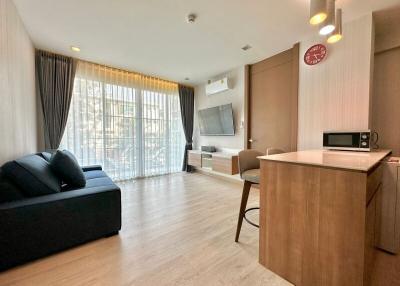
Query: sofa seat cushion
[(66, 167), (98, 182), (94, 174), (33, 175), (252, 175), (93, 182)]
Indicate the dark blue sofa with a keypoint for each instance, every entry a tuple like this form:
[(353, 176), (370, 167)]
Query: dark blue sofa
[(33, 227)]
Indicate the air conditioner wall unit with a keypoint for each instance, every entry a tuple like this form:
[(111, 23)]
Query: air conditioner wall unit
[(218, 86)]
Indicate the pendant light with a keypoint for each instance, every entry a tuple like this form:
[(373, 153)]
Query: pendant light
[(337, 34), (318, 12), (329, 24)]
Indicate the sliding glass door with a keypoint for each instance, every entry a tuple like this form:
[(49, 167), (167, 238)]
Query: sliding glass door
[(128, 123)]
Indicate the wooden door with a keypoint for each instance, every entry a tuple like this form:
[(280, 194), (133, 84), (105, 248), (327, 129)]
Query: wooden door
[(272, 102)]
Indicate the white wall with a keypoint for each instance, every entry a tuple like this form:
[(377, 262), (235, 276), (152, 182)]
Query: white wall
[(234, 96), (18, 116), (335, 94)]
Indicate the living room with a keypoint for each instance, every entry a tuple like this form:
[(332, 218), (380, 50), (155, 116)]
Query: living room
[(199, 142)]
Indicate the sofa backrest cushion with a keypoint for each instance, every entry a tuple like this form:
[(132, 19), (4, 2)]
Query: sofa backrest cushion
[(33, 175), (8, 191), (66, 167)]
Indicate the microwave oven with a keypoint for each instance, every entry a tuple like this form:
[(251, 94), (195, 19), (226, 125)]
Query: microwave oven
[(347, 140)]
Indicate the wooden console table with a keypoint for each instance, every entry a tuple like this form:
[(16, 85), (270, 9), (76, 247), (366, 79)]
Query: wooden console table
[(221, 162), (317, 215)]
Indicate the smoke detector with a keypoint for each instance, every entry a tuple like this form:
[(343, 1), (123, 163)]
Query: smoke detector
[(191, 18), (247, 47)]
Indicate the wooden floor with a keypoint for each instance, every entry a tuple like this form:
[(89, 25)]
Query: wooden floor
[(176, 230)]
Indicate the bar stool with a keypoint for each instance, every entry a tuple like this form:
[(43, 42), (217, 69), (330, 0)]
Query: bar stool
[(249, 168)]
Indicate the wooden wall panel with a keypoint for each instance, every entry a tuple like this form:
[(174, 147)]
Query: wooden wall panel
[(386, 79), (18, 105), (335, 93), (386, 99), (387, 29)]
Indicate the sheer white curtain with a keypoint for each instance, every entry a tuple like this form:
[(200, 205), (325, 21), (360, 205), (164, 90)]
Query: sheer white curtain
[(126, 122)]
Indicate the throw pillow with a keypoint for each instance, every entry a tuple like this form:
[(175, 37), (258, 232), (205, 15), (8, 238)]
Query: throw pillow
[(66, 167)]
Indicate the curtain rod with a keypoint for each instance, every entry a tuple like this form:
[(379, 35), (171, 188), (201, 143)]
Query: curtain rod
[(121, 69), (138, 73)]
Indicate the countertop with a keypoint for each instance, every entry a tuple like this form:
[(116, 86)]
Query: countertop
[(358, 161)]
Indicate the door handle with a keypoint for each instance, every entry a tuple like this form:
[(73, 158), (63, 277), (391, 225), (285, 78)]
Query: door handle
[(252, 140)]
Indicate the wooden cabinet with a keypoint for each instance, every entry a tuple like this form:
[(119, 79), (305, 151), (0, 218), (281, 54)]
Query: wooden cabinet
[(226, 165), (370, 235), (194, 159), (317, 224), (374, 179), (388, 209)]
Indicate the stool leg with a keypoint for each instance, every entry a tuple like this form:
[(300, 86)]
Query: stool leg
[(243, 204)]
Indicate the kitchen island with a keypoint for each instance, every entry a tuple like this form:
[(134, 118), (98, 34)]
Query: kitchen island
[(317, 215)]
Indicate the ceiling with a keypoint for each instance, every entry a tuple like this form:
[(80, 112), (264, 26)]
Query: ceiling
[(153, 37)]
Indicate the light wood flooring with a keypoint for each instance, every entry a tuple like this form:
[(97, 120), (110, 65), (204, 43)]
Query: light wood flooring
[(176, 230)]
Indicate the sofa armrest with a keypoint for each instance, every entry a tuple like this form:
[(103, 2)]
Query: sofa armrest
[(36, 227), (92, 168)]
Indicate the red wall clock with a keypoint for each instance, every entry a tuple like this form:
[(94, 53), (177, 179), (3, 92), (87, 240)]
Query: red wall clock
[(315, 54)]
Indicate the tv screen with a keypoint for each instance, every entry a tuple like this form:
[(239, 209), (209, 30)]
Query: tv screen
[(217, 121)]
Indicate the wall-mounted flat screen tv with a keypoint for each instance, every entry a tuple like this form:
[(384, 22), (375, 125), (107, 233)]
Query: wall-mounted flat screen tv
[(217, 121)]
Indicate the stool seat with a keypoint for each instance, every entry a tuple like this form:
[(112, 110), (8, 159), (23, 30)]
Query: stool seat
[(252, 175)]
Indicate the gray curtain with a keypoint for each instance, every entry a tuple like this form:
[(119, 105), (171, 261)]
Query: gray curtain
[(55, 79), (186, 99)]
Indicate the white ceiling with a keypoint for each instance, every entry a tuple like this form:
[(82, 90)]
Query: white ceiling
[(152, 36)]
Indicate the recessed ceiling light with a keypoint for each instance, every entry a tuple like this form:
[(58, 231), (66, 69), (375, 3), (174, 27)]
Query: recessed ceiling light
[(247, 47), (75, 49)]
